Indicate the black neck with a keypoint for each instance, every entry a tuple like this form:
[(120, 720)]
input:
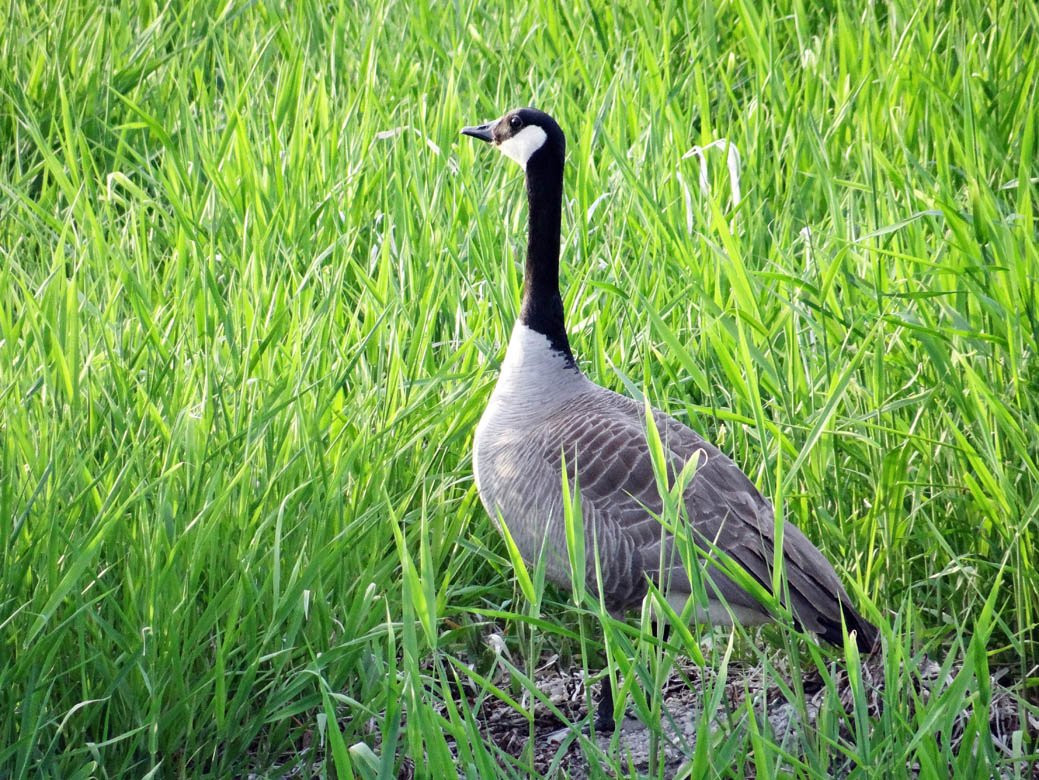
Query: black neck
[(542, 306)]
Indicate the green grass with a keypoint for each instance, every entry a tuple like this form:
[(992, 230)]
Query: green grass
[(255, 290)]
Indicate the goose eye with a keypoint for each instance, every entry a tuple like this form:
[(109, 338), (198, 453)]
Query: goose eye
[(515, 122)]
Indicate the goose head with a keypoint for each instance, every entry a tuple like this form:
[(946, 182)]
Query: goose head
[(526, 135)]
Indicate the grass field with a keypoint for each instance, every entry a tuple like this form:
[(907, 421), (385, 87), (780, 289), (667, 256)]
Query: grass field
[(255, 290)]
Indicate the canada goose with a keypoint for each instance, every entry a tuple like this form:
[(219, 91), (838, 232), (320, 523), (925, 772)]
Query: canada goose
[(544, 410)]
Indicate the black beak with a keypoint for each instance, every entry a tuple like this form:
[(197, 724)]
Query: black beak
[(483, 132)]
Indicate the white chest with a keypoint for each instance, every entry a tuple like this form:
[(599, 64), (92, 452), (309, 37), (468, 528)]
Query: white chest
[(534, 381)]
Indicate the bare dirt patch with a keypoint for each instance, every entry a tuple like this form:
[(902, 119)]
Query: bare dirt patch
[(557, 749)]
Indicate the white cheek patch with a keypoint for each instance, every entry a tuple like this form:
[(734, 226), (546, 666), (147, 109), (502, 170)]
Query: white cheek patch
[(522, 145)]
